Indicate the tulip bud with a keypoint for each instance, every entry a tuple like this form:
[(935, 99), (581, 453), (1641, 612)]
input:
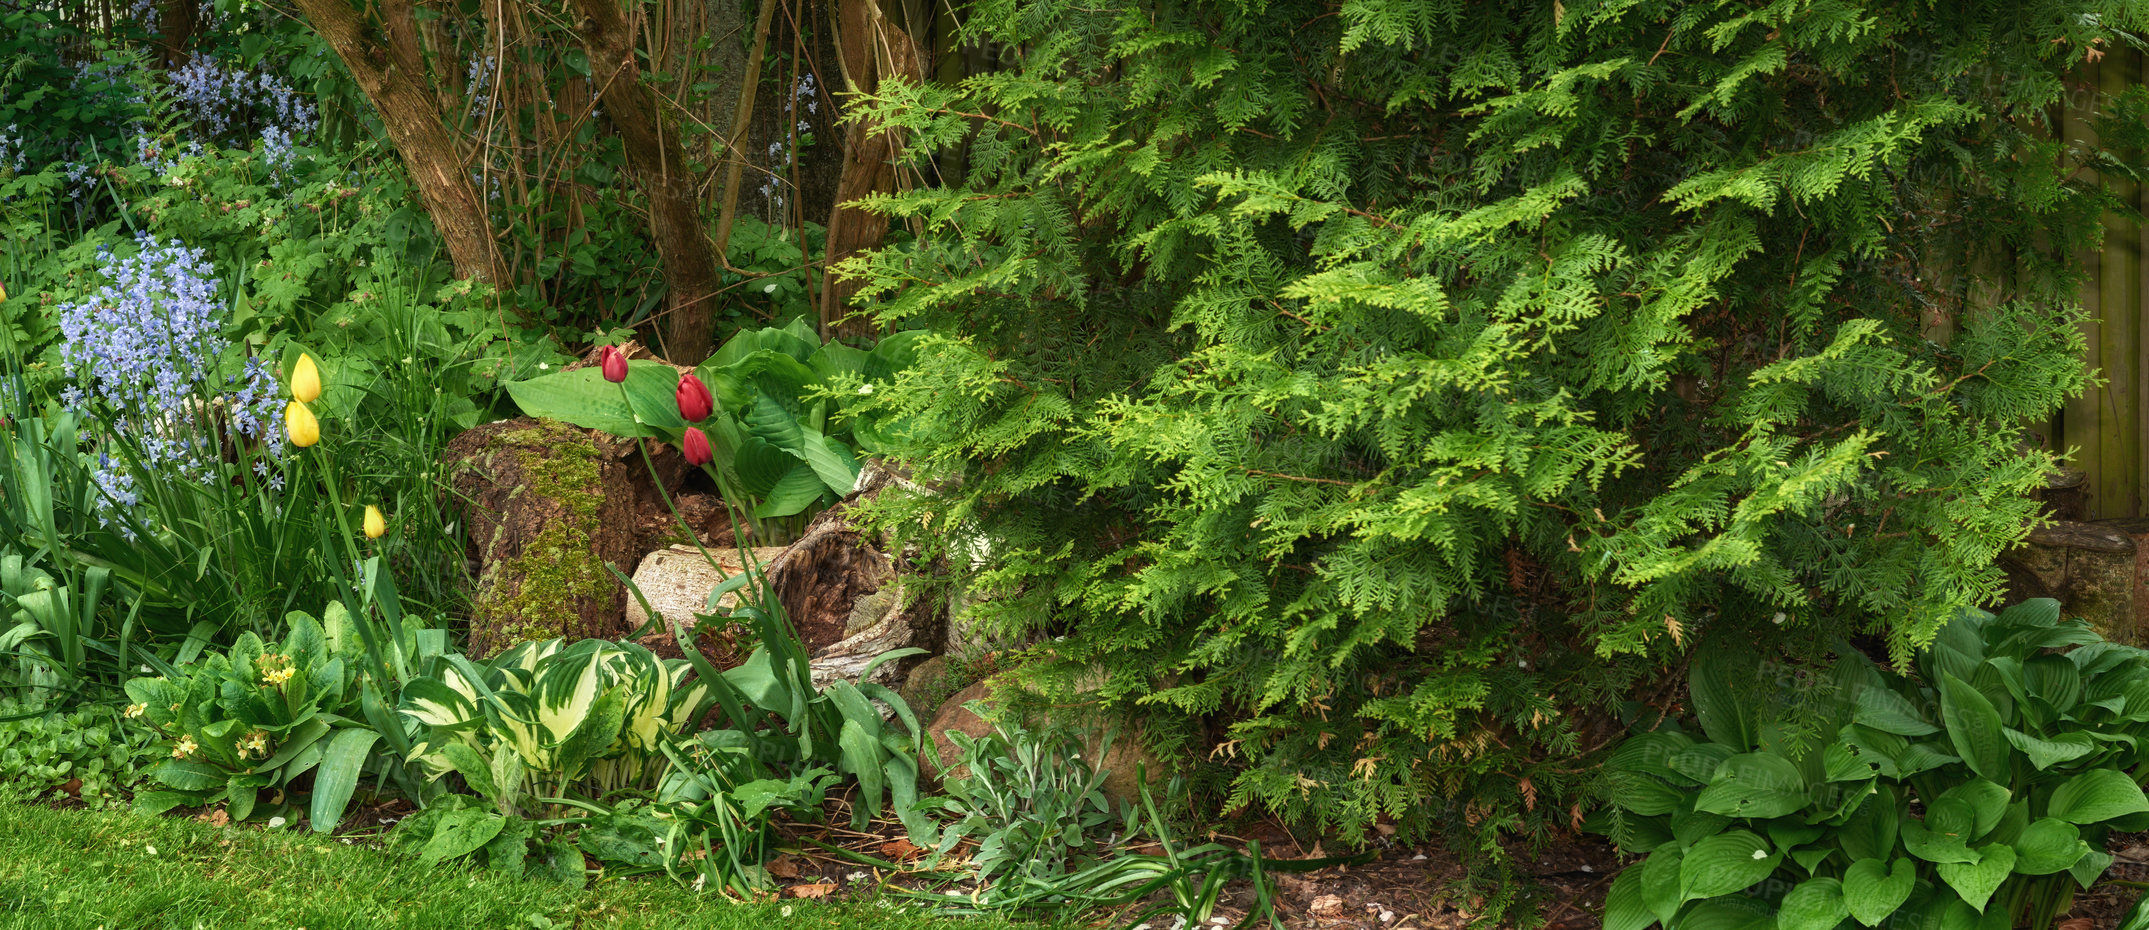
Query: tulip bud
[(300, 425), (695, 404), (376, 525), (695, 446), (614, 363), (305, 380)]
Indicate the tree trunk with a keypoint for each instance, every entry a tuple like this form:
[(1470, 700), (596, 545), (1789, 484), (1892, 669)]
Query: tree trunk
[(870, 48), (414, 125), (176, 23), (659, 162)]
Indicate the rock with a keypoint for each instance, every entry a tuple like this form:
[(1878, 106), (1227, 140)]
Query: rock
[(676, 582), (2098, 571)]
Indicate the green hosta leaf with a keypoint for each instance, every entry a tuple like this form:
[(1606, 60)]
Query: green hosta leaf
[(1873, 889), (2046, 753), (1650, 753), (1816, 904), (1714, 686), (1755, 785), (1624, 908), (1884, 710), (2047, 846), (891, 355), (1642, 794), (1724, 864), (1934, 847), (1701, 762), (1690, 826), (1660, 882), (652, 392), (581, 397), (797, 491), (2038, 612), (1976, 881), (1974, 727), (1986, 801), (1869, 832), (342, 763), (835, 358), (2090, 867), (832, 461), (1738, 913), (2096, 796)]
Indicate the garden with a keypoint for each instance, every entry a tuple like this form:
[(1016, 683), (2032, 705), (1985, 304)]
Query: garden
[(1400, 464)]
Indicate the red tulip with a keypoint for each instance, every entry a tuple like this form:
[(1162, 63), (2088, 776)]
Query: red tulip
[(695, 446), (695, 404), (614, 363)]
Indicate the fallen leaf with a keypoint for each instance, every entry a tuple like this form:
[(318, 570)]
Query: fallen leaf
[(2079, 923), (818, 890), (785, 866), (218, 817), (901, 850)]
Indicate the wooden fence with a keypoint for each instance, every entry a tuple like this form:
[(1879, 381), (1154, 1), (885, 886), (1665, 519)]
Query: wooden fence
[(2109, 424)]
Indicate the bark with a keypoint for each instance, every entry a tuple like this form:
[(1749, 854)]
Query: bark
[(176, 22), (659, 163), (870, 48), (406, 107)]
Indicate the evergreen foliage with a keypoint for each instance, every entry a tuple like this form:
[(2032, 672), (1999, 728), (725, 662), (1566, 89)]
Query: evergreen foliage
[(1376, 394)]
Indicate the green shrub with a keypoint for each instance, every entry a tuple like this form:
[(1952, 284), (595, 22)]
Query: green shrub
[(1975, 794), (1374, 394)]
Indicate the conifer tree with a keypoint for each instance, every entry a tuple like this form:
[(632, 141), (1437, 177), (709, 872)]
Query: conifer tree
[(1376, 394)]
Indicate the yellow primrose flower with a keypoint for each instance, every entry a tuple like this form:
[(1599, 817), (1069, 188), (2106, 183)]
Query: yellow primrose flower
[(376, 525), (306, 380), (300, 425), (185, 748), (255, 744), (136, 710)]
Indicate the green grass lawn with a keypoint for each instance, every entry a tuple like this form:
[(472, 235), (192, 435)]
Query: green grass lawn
[(61, 870)]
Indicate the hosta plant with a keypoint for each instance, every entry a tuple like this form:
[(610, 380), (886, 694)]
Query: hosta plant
[(258, 719), (780, 441), (549, 719), (1975, 792)]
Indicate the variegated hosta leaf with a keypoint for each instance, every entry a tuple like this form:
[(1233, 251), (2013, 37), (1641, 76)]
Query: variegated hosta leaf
[(513, 720), (433, 703), (565, 688)]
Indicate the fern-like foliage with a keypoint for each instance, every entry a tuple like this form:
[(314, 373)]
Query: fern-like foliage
[(1374, 395)]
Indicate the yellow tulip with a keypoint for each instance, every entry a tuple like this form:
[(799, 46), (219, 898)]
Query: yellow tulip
[(306, 380), (376, 525), (300, 425)]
